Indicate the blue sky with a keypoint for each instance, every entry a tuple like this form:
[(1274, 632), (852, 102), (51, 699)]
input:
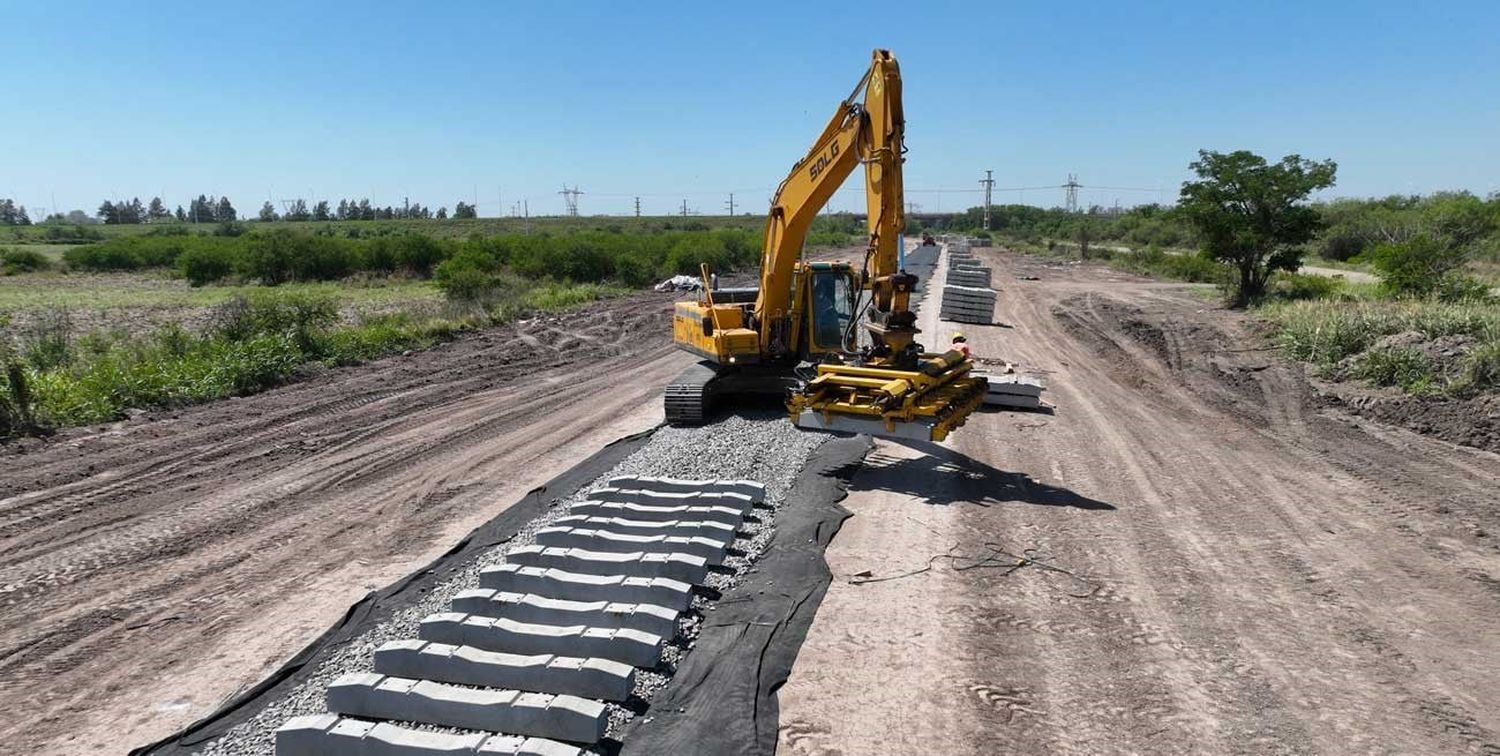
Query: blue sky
[(501, 101)]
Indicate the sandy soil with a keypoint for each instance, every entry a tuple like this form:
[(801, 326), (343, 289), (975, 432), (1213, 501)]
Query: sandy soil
[(1188, 556), (225, 537)]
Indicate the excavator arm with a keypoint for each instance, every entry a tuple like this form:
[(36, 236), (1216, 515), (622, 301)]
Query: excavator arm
[(891, 387), (804, 192), (888, 386), (871, 133)]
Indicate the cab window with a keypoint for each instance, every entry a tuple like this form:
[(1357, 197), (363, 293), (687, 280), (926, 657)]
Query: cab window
[(832, 309)]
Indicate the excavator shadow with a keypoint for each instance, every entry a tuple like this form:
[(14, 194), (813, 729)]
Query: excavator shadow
[(941, 476)]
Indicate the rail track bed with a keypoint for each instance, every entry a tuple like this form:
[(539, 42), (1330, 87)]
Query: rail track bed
[(558, 640)]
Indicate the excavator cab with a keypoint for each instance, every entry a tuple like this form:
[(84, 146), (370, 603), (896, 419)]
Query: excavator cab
[(832, 291)]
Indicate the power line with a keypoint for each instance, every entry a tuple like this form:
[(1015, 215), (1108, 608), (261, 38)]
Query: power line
[(988, 182), (570, 198)]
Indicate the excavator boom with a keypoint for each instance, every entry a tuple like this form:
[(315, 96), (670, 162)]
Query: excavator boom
[(884, 383)]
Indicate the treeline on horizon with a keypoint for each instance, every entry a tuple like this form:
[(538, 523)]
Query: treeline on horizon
[(1350, 228), (283, 255), (211, 209)]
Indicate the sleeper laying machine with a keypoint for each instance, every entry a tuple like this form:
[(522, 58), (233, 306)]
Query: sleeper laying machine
[(836, 339)]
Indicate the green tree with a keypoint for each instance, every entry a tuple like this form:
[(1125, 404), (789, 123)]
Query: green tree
[(465, 210), (267, 212), (157, 211), (320, 211), (298, 211), (1254, 215), (224, 211)]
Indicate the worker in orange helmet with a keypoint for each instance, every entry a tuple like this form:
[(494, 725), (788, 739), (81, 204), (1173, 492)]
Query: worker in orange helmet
[(960, 344)]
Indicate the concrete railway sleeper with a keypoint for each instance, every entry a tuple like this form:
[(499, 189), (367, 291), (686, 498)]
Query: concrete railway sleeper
[(529, 662)]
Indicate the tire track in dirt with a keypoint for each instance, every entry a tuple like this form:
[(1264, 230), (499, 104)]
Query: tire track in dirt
[(135, 557), (1261, 574)]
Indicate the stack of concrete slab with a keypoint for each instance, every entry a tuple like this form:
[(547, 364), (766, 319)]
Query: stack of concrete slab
[(968, 304), (967, 296), (526, 662), (975, 275), (1014, 390)]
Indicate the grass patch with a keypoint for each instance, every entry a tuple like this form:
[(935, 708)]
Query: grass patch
[(1344, 337), (252, 342), (1192, 267), (1326, 332), (110, 291)]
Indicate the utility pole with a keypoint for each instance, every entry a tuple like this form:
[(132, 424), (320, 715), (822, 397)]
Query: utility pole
[(637, 207), (731, 204), (1072, 187), (988, 182), (570, 199)]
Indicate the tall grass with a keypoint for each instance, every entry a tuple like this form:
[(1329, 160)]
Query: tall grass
[(1325, 332), (1328, 332)]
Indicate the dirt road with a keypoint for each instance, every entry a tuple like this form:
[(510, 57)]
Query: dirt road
[(1187, 557), (150, 570)]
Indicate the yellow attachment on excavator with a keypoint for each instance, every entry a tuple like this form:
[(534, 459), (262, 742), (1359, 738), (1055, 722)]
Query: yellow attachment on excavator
[(924, 405)]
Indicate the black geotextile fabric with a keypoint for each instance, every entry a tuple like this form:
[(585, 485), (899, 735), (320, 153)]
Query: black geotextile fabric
[(723, 698), (380, 605)]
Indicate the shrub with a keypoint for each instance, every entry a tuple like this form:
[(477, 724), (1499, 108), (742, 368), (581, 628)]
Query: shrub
[(1295, 286), (15, 261), (1402, 366), (1342, 246), (47, 341), (270, 257), (473, 277), (205, 265), (1195, 268), (1416, 267), (419, 254), (1480, 371), (17, 403), (323, 258), (1457, 287)]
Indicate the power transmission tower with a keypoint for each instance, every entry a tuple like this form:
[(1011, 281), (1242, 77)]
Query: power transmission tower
[(1072, 187), (637, 207), (731, 204), (988, 182), (570, 198)]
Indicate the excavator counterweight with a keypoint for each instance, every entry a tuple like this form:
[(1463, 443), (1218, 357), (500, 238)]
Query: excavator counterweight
[(797, 335)]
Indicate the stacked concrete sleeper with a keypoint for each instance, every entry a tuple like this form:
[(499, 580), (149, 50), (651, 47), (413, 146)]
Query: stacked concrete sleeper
[(967, 296), (529, 658)]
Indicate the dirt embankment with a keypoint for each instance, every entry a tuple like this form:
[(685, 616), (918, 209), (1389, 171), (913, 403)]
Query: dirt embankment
[(151, 569), (1194, 554)]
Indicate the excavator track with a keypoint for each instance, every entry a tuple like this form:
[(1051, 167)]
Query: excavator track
[(689, 398)]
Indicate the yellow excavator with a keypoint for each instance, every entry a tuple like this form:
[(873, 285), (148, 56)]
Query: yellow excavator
[(799, 333)]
